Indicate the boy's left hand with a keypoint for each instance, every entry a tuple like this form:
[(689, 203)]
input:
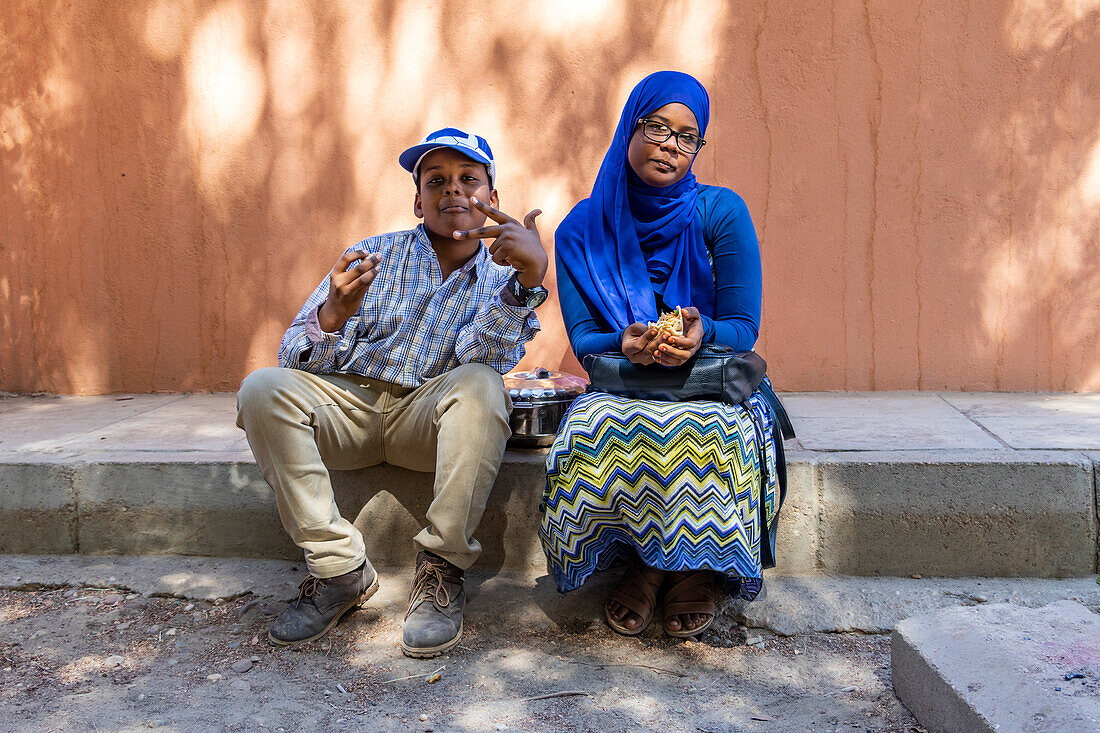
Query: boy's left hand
[(518, 245)]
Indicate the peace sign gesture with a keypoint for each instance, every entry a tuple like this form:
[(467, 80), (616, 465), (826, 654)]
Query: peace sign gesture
[(516, 244)]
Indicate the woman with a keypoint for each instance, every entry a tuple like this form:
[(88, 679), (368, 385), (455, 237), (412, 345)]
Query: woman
[(672, 488)]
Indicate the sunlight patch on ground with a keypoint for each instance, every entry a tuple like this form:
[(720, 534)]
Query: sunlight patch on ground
[(11, 614), (83, 669)]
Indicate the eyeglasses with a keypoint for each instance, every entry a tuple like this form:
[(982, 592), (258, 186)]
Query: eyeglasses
[(658, 132)]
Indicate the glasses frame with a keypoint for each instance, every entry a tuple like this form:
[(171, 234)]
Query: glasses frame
[(643, 121)]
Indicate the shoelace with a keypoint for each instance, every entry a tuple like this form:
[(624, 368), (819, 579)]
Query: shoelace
[(430, 573), (308, 588)]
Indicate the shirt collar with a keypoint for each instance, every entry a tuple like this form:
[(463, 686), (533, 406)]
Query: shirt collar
[(478, 263), (422, 241)]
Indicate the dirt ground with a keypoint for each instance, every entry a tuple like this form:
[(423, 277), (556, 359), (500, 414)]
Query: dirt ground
[(81, 659)]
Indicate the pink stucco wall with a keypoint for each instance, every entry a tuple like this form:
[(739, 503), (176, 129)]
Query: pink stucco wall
[(176, 176)]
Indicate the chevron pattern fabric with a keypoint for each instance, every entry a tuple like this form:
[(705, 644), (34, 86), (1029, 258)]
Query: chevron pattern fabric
[(677, 483)]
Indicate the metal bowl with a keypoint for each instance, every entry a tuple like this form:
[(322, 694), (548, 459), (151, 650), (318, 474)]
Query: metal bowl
[(540, 399)]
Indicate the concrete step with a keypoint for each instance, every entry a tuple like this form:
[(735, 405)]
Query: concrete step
[(1038, 668), (880, 484), (522, 601)]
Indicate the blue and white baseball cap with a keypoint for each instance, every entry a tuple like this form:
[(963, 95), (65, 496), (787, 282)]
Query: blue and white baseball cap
[(472, 146)]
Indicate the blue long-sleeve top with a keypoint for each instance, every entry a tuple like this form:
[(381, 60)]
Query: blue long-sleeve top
[(735, 255)]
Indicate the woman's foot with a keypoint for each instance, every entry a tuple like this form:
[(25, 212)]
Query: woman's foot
[(631, 603), (689, 603)]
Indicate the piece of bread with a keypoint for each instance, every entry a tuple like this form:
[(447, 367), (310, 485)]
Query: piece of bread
[(671, 323)]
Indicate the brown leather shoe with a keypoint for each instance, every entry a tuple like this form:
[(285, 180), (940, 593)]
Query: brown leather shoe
[(433, 623), (321, 603)]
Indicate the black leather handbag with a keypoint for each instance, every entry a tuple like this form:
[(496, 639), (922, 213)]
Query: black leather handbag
[(716, 373)]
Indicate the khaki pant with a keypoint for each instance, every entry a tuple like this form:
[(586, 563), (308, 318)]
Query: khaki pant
[(300, 425)]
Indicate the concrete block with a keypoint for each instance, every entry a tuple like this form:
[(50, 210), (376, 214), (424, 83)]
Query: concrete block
[(969, 514), (809, 604), (1063, 432), (389, 506), (204, 423), (1035, 421), (189, 504), (219, 505), (1000, 668), (796, 543), (37, 505), (203, 578), (883, 421), (898, 405), (1025, 404), (891, 433), (42, 435), (105, 409)]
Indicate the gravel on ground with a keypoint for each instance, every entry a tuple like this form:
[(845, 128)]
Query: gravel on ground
[(81, 658)]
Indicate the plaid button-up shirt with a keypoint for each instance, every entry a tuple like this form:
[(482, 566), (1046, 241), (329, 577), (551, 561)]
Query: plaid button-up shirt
[(413, 325)]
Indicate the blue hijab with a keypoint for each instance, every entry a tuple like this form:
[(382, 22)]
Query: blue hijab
[(629, 240)]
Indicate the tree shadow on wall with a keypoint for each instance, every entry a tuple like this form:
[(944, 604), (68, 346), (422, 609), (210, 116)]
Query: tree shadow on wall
[(930, 178), (183, 174), (1039, 290), (178, 176)]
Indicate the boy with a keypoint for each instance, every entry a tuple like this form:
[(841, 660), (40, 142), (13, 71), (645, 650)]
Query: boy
[(397, 357)]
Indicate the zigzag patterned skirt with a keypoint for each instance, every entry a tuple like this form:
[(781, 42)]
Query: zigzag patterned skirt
[(677, 484)]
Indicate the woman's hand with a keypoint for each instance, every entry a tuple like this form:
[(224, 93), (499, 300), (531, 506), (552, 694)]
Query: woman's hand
[(639, 343), (675, 350)]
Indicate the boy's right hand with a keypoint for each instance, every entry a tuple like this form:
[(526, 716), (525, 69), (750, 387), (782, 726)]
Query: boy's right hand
[(346, 287)]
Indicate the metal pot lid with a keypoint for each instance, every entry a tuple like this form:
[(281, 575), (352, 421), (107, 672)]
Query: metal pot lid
[(543, 384)]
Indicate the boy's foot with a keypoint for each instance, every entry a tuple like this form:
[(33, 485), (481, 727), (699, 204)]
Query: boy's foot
[(433, 623), (320, 604)]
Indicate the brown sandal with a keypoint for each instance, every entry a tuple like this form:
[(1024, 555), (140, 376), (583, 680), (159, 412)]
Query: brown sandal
[(637, 592), (688, 593)]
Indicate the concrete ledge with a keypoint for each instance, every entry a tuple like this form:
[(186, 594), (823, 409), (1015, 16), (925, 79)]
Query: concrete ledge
[(798, 545), (1000, 667), (968, 513), (38, 505), (974, 513), (198, 504), (874, 605), (524, 600)]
